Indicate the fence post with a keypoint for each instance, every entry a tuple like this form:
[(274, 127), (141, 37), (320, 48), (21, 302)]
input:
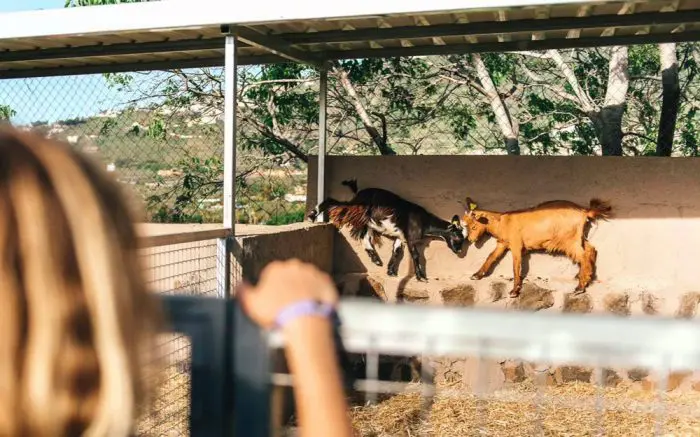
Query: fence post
[(252, 383), (224, 246), (322, 136), (206, 322)]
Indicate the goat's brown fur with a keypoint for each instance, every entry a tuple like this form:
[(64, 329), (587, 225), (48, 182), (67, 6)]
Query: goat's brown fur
[(556, 226), (356, 218)]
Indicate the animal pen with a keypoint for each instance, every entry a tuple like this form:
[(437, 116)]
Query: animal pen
[(476, 371)]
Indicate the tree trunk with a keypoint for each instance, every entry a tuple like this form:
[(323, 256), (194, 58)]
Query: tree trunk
[(378, 139), (509, 127), (279, 139), (671, 99), (609, 119), (584, 99)]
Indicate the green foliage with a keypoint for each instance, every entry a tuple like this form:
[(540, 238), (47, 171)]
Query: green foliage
[(462, 121), (644, 60), (108, 127), (6, 112), (689, 132), (501, 66), (420, 105), (156, 129), (75, 3), (184, 201), (279, 103), (295, 215), (118, 81)]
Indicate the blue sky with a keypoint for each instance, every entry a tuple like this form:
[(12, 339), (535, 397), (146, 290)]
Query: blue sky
[(53, 98), (24, 5)]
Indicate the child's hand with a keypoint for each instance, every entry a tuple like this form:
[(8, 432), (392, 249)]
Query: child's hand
[(283, 283)]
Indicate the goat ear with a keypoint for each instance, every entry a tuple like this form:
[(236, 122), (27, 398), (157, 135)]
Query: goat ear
[(470, 205), (483, 220)]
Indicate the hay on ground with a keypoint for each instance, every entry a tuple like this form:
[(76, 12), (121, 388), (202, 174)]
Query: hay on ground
[(567, 410)]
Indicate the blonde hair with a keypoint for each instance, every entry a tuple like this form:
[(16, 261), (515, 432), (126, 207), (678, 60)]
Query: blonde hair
[(76, 318)]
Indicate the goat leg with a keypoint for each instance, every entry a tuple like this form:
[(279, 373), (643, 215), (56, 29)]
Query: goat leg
[(587, 266), (396, 256), (369, 248), (517, 253), (494, 256), (420, 272)]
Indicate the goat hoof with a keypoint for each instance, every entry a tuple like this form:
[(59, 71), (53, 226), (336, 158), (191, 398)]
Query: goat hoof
[(579, 290), (477, 276), (392, 273), (514, 293)]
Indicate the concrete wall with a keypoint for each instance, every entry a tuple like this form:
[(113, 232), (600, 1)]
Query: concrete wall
[(647, 254), (191, 267), (312, 244)]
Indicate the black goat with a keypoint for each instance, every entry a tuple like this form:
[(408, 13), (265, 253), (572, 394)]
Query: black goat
[(374, 212)]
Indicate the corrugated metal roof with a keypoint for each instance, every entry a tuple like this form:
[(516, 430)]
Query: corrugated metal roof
[(506, 25)]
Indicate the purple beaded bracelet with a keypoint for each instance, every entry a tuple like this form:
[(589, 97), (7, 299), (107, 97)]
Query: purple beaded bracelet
[(303, 308)]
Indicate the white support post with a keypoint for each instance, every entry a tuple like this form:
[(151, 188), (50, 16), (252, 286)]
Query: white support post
[(225, 245), (322, 136)]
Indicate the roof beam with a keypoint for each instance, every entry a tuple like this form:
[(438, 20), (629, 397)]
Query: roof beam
[(583, 11), (112, 50), (215, 61), (493, 27), (514, 46), (627, 8), (277, 46)]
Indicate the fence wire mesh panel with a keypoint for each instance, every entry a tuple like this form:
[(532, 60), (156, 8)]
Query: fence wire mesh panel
[(170, 412), (161, 132), (186, 268), (168, 153), (189, 268), (457, 372)]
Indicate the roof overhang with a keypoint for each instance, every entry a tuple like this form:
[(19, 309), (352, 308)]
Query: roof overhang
[(173, 34)]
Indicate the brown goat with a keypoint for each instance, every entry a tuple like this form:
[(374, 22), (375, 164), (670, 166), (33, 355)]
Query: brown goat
[(557, 226)]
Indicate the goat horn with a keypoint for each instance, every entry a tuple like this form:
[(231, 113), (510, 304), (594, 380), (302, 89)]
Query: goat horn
[(470, 204)]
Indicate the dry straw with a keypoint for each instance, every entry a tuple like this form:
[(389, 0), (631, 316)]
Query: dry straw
[(566, 410)]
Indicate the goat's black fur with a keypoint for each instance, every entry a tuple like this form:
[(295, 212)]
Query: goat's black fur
[(373, 212)]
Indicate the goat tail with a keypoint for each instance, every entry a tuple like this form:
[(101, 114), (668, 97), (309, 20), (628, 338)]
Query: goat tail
[(354, 216), (352, 184), (321, 208), (599, 209)]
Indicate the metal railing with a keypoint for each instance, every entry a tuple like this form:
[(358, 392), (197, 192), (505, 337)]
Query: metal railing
[(232, 363), (481, 342)]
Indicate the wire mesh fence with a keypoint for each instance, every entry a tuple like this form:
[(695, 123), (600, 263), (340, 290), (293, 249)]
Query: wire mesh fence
[(179, 266), (458, 372), (161, 132)]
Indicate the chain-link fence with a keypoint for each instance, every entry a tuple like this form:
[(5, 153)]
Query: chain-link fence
[(162, 132), (189, 264)]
